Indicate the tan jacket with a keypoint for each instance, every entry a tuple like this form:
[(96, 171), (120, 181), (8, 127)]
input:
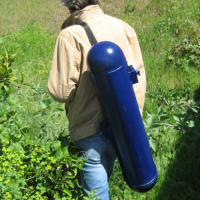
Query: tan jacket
[(69, 80)]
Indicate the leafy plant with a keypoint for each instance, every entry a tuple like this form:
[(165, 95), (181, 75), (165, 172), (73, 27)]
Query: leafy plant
[(187, 119), (32, 170), (154, 123), (6, 73), (186, 51)]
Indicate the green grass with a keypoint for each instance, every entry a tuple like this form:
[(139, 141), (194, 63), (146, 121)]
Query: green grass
[(34, 48), (29, 29)]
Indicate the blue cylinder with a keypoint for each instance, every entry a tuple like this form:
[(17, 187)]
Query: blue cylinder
[(113, 80)]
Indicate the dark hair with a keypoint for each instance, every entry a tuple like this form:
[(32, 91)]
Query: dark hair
[(75, 5)]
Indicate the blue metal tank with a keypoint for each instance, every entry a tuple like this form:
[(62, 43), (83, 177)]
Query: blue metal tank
[(113, 80)]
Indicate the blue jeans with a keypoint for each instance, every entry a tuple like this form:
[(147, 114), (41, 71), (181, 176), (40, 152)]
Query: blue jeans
[(99, 158)]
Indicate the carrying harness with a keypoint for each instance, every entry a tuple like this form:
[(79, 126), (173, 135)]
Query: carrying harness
[(89, 33)]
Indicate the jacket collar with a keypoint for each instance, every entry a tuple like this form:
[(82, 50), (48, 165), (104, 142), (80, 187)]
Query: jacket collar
[(82, 15)]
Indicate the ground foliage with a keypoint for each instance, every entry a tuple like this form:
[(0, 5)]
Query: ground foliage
[(38, 159), (186, 51), (6, 73), (31, 167)]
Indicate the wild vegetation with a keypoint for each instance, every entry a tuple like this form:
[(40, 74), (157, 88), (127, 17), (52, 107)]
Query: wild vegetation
[(38, 160)]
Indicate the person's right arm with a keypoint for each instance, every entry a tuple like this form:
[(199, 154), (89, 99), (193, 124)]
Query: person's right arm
[(64, 71)]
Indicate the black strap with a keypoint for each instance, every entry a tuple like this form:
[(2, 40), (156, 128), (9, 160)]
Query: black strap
[(89, 33)]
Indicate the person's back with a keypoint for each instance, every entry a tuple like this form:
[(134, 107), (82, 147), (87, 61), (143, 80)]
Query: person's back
[(69, 82), (84, 112)]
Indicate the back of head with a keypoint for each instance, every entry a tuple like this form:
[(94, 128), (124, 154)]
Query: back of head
[(75, 5)]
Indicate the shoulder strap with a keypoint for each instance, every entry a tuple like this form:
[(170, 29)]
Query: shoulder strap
[(89, 33)]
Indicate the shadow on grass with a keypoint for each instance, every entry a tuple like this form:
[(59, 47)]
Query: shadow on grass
[(182, 181)]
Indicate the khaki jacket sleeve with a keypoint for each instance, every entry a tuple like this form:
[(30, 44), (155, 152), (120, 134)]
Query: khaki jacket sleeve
[(135, 59), (64, 72)]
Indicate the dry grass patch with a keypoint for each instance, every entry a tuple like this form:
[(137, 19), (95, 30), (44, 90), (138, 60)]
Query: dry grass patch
[(50, 14)]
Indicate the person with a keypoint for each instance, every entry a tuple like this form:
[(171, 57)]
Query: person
[(69, 82)]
